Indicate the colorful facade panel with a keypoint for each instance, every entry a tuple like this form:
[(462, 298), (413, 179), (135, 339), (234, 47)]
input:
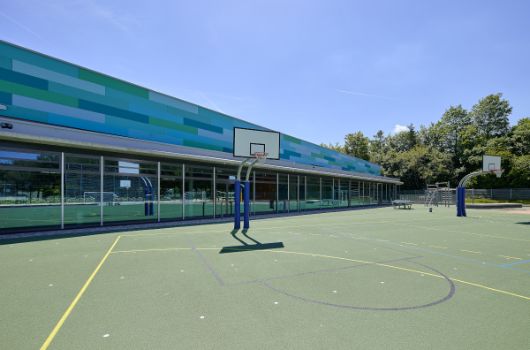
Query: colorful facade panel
[(39, 88)]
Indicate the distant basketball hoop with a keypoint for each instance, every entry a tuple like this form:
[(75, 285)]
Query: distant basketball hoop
[(490, 165)]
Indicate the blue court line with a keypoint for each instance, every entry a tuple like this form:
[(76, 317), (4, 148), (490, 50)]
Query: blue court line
[(516, 263)]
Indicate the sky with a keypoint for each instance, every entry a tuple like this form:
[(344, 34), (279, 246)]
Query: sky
[(316, 70)]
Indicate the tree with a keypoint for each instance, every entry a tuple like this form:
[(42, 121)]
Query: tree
[(520, 138), (519, 174), (357, 145), (451, 147), (490, 115), (336, 147), (420, 166), (453, 121), (378, 147), (402, 141), (412, 139)]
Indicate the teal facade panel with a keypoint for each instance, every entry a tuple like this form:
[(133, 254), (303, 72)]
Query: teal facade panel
[(40, 88)]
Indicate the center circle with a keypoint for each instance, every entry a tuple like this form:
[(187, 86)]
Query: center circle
[(434, 273)]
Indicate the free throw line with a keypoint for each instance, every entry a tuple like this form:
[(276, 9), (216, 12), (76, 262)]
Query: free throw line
[(74, 302)]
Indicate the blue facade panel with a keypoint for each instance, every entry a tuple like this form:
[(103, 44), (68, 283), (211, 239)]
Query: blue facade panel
[(40, 88)]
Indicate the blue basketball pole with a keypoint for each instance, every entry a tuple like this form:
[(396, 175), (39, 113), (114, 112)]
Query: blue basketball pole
[(237, 204), (246, 205), (460, 201), (463, 207)]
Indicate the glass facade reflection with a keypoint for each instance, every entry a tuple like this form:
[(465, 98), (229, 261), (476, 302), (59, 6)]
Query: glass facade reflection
[(52, 189), (30, 189), (82, 190)]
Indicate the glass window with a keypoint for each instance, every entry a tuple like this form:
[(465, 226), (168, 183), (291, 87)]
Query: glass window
[(355, 194), (265, 201), (82, 190), (293, 192), (283, 193), (198, 197), (363, 191), (170, 191), (312, 191), (129, 190), (30, 189), (327, 192), (342, 193), (302, 192), (224, 192)]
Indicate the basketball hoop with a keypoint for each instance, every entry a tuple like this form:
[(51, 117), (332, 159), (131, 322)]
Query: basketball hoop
[(261, 155), (497, 173)]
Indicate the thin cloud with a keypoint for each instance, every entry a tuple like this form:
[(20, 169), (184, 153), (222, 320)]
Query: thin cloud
[(399, 128), (211, 102), (363, 94), (20, 25), (119, 21)]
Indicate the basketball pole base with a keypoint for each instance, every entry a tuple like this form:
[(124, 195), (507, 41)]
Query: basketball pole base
[(246, 205), (237, 205), (460, 201)]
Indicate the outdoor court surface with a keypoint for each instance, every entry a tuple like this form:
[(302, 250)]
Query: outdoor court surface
[(363, 279)]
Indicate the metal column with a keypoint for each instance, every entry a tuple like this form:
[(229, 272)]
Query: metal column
[(288, 193), (214, 186), (101, 172), (333, 192), (62, 190), (158, 192), (320, 192), (277, 191), (183, 190)]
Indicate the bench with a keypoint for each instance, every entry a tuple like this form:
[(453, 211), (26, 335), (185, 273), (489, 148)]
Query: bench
[(402, 203)]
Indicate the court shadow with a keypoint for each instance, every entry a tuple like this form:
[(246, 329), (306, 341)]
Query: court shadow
[(234, 233), (523, 223), (244, 232), (251, 247), (245, 247)]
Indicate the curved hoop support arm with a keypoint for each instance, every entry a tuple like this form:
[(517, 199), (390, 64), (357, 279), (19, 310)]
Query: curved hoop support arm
[(249, 169), (240, 168), (461, 191), (469, 176)]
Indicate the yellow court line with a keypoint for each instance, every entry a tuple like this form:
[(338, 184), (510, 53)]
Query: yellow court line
[(409, 270), (159, 250), (470, 251), (68, 311), (409, 243), (362, 262), (510, 257), (203, 230), (491, 289), (438, 246)]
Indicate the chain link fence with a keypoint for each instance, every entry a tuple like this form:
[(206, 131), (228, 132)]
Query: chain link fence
[(517, 195)]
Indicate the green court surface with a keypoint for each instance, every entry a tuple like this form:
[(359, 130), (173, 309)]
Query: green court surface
[(363, 279)]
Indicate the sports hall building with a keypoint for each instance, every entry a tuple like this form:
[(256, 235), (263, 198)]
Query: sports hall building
[(79, 148)]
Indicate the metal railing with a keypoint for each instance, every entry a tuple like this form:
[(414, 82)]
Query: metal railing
[(472, 194)]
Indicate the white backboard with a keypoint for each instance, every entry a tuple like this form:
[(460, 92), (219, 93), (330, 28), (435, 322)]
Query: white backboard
[(491, 163), (249, 141)]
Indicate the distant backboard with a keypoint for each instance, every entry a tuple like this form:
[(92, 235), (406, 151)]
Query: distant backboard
[(249, 141), (491, 163)]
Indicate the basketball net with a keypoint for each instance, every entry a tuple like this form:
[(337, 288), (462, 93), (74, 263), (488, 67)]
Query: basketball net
[(498, 172), (261, 155)]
